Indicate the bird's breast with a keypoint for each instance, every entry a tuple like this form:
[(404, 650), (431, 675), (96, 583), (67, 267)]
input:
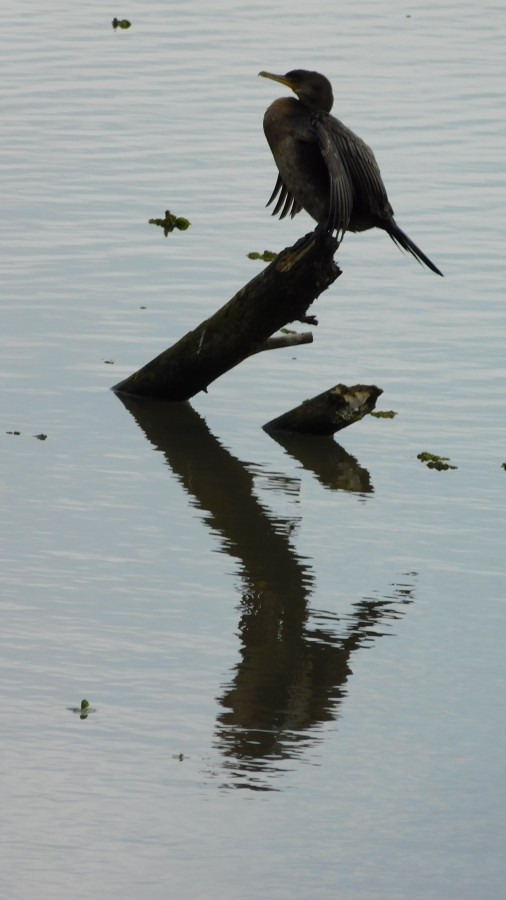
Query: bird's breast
[(288, 118), (294, 146)]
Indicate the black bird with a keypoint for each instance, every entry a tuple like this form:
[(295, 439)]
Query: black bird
[(324, 167)]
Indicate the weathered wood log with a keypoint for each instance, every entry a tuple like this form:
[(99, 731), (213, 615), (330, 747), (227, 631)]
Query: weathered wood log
[(281, 293), (280, 341), (329, 412)]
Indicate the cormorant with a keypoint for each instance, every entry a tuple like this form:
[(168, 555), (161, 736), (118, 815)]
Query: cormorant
[(324, 167)]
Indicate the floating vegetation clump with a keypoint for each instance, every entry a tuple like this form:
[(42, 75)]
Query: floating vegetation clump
[(170, 222), (40, 437), (384, 414), (433, 461), (266, 256), (83, 711)]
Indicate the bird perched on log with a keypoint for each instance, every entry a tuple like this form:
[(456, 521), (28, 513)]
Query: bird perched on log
[(324, 167)]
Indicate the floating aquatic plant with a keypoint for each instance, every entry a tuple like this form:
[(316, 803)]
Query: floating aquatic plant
[(83, 711), (266, 256), (170, 222), (433, 461)]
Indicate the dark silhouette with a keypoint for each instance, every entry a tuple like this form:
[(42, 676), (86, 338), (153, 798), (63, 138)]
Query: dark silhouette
[(294, 663), (324, 167)]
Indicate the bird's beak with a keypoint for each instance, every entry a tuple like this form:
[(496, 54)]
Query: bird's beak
[(281, 78)]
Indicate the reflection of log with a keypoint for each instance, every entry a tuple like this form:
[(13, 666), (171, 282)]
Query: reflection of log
[(294, 663), (328, 412), (280, 294), (334, 468), (223, 488)]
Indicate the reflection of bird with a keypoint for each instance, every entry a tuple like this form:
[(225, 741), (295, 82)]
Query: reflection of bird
[(324, 167)]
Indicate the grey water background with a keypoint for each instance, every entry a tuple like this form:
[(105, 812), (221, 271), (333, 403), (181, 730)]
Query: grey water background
[(319, 632)]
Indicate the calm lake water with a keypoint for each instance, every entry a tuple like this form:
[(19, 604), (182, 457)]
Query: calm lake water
[(295, 651)]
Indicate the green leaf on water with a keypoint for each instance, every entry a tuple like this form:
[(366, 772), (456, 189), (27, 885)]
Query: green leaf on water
[(433, 461), (266, 256)]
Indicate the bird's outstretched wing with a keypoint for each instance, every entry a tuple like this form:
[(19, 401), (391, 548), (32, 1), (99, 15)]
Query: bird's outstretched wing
[(368, 191), (286, 202), (341, 195)]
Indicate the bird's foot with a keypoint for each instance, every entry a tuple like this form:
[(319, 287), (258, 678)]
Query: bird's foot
[(321, 233)]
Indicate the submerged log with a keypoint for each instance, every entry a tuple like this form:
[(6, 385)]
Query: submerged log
[(329, 412), (280, 294)]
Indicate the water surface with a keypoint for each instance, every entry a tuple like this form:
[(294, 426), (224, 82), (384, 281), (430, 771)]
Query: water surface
[(295, 653)]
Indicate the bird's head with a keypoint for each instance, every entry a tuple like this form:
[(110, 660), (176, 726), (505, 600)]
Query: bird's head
[(312, 89)]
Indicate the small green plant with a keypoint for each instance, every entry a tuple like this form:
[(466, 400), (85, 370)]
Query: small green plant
[(83, 711), (170, 222), (266, 256), (433, 461)]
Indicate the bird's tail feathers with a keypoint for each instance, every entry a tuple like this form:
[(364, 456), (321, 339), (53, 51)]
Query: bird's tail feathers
[(405, 243)]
